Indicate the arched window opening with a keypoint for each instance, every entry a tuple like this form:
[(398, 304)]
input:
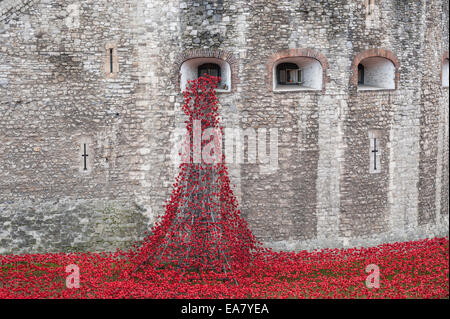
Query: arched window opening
[(194, 68), (376, 73), (445, 73), (297, 73)]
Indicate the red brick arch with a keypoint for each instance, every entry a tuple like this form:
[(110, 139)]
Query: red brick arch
[(207, 53), (289, 53), (378, 52)]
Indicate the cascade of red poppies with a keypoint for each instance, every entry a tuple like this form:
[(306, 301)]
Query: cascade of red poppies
[(202, 228)]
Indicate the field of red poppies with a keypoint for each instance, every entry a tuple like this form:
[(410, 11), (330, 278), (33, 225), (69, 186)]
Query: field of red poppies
[(416, 269)]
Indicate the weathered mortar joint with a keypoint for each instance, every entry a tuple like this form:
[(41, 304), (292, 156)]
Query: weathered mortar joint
[(10, 8)]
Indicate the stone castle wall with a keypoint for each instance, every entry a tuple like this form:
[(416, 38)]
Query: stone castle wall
[(56, 95)]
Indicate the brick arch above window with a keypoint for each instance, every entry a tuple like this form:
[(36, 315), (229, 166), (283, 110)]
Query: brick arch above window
[(373, 53), (292, 53), (207, 53)]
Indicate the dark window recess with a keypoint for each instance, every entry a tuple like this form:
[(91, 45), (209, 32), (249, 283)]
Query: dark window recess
[(360, 74), (111, 64), (289, 74), (209, 69)]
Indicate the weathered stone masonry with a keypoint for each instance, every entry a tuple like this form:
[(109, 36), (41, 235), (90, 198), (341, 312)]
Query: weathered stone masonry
[(56, 95)]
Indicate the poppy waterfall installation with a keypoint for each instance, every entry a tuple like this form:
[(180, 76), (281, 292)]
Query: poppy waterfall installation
[(202, 228)]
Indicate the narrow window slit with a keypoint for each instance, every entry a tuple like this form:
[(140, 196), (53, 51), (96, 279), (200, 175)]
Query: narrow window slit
[(85, 155), (375, 151), (111, 64)]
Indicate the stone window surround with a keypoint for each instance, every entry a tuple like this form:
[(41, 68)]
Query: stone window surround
[(296, 53), (223, 55), (229, 58), (370, 4), (379, 74), (372, 53), (80, 141), (190, 68), (444, 57), (312, 74), (375, 134), (106, 66)]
